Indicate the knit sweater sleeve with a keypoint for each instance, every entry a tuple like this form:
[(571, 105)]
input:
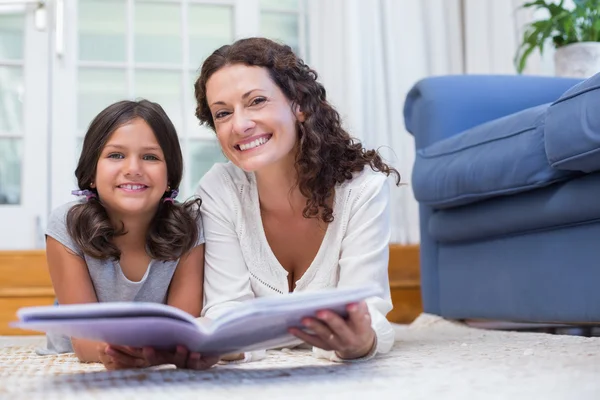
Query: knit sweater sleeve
[(364, 256), (226, 276)]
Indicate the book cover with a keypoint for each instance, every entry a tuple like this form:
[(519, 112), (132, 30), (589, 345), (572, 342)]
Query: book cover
[(256, 324)]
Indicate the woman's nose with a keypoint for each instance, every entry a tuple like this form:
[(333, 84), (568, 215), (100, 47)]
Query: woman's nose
[(242, 123)]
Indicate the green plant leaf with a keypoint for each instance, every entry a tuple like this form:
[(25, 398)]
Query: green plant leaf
[(563, 26)]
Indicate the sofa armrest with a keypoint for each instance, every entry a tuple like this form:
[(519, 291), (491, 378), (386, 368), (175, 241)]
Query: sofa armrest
[(439, 107)]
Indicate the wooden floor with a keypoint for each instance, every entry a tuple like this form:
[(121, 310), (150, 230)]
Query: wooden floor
[(24, 281)]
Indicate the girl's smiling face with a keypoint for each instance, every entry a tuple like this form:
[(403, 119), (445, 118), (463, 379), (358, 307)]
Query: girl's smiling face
[(131, 173)]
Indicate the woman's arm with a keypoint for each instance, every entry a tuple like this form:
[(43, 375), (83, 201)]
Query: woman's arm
[(363, 260), (226, 276), (72, 285), (364, 254)]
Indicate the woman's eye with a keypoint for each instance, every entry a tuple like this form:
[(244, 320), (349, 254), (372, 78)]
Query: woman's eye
[(116, 155), (221, 114), (150, 157), (257, 100)]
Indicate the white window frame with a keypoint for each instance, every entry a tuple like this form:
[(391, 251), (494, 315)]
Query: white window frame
[(22, 224), (64, 94)]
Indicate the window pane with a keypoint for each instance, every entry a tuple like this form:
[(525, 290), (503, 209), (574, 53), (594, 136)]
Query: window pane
[(12, 28), (102, 27), (164, 88), (78, 147), (209, 28), (157, 33), (11, 154), (288, 4), (203, 154), (194, 128), (97, 89), (280, 27), (11, 100)]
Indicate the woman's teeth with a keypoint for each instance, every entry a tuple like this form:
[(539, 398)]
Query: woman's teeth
[(255, 143)]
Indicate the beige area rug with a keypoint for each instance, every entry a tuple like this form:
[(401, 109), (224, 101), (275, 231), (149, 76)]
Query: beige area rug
[(432, 359)]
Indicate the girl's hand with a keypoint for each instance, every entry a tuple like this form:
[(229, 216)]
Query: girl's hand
[(182, 358), (349, 339), (121, 357), (125, 357)]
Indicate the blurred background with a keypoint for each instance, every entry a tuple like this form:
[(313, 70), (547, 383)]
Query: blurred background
[(63, 61)]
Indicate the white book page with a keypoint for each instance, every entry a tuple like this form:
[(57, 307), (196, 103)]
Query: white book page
[(103, 310)]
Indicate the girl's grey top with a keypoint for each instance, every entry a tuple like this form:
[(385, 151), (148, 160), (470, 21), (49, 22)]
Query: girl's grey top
[(107, 277)]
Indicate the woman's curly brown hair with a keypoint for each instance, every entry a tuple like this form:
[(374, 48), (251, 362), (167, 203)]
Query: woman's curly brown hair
[(327, 154), (174, 230)]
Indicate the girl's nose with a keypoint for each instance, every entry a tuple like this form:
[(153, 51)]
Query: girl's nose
[(133, 166)]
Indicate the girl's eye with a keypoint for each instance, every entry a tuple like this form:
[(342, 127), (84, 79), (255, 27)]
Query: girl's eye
[(257, 100), (221, 114), (116, 155), (150, 157)]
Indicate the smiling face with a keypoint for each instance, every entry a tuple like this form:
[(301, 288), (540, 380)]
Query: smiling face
[(254, 121), (131, 173)]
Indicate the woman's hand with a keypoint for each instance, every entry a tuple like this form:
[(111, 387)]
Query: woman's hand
[(349, 339), (121, 357)]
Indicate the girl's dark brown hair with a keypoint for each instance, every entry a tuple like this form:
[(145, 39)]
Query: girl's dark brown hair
[(174, 229), (327, 154)]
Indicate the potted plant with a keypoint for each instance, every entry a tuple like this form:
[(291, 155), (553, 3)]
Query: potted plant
[(574, 32)]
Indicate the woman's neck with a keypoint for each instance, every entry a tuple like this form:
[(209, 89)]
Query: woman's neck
[(278, 190)]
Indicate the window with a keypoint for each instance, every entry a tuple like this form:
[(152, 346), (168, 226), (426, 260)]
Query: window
[(285, 21), (23, 127), (153, 49), (12, 33), (110, 50)]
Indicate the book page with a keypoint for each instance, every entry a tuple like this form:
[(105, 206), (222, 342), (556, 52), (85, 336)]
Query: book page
[(103, 310)]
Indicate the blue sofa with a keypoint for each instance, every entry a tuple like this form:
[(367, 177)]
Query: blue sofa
[(507, 176)]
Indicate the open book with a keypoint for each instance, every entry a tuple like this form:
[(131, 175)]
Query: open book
[(256, 324)]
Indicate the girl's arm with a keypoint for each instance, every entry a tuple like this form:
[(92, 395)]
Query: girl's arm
[(72, 285), (185, 290)]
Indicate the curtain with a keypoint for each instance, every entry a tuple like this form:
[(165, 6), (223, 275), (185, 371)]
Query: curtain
[(369, 53)]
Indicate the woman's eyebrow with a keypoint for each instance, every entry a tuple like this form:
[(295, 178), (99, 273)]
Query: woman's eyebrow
[(244, 97)]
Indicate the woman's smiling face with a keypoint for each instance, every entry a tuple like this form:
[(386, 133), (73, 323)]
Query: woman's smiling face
[(254, 121)]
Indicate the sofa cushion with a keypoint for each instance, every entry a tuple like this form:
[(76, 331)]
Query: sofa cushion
[(573, 128), (501, 157), (549, 208)]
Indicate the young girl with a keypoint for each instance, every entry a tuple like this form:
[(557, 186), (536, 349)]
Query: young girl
[(127, 239)]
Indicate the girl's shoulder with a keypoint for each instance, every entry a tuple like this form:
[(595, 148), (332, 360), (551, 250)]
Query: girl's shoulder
[(59, 214), (57, 226)]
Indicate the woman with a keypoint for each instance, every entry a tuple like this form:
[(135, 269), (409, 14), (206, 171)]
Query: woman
[(301, 205)]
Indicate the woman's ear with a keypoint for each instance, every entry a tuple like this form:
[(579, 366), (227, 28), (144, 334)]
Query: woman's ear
[(299, 114)]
